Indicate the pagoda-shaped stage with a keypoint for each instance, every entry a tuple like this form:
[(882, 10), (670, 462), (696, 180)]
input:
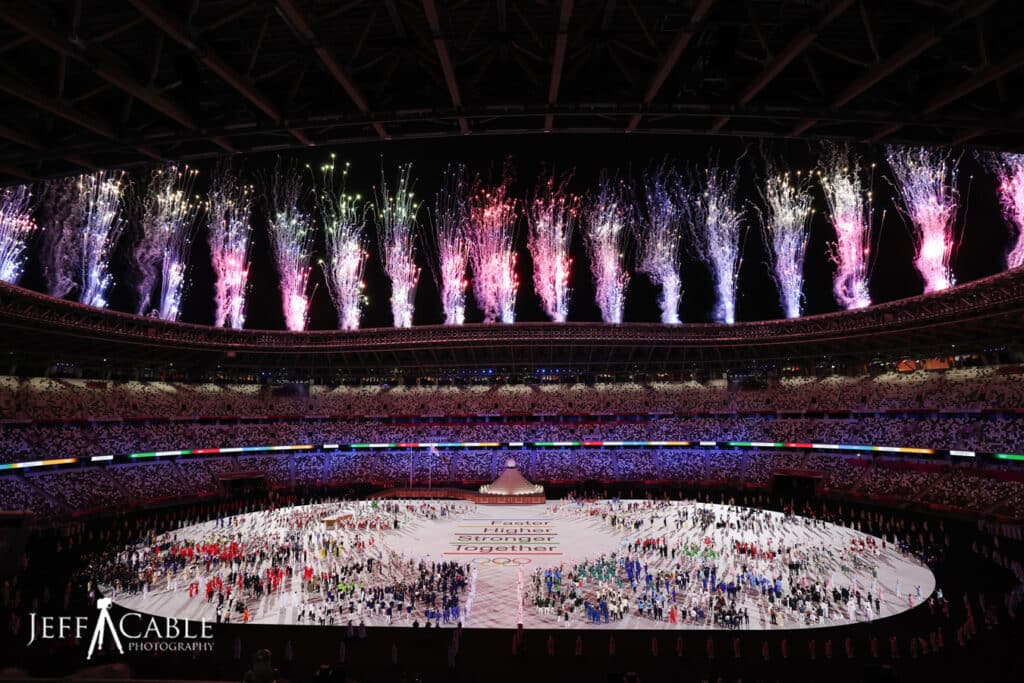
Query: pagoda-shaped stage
[(510, 488)]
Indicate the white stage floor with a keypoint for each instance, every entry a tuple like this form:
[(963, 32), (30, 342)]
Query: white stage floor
[(493, 540)]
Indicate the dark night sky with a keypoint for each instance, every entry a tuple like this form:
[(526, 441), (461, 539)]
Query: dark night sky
[(981, 253)]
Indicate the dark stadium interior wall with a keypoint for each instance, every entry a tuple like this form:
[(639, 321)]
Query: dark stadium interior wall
[(985, 234)]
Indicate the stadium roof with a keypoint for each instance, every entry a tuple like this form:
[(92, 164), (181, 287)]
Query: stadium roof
[(988, 313), (114, 83)]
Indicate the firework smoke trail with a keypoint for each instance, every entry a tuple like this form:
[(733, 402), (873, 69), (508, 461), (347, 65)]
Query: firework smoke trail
[(718, 234), (62, 247), (658, 239), (608, 223), (785, 223), (230, 209), (168, 224), (101, 227), (491, 233), (17, 227), (291, 239), (396, 237), (450, 258), (148, 251), (344, 221), (552, 216), (1009, 170), (926, 181), (839, 175)]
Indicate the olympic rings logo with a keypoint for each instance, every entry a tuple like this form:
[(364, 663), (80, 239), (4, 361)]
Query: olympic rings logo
[(501, 561)]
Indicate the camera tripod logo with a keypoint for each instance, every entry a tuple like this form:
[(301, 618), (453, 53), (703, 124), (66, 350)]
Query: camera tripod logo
[(131, 632), (104, 623)]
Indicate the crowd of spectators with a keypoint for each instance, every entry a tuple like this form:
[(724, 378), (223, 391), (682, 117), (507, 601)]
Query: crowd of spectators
[(19, 493), (963, 488), (471, 466), (94, 488), (201, 476), (961, 389), (992, 432), (45, 418), (48, 418), (896, 483), (971, 488), (277, 469)]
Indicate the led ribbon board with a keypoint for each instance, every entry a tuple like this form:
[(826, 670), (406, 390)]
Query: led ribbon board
[(450, 445)]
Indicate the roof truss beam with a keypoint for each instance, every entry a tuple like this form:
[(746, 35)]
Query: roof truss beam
[(67, 112), (586, 117), (300, 22), (987, 75), (16, 172), (558, 62), (668, 63), (441, 45), (103, 64), (182, 34), (914, 47), (793, 49)]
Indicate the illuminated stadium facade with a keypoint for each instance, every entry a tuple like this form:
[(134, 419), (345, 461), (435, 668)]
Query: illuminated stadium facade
[(972, 318)]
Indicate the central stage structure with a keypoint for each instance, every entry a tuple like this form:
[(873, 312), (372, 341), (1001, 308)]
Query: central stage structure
[(510, 488), (511, 484)]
